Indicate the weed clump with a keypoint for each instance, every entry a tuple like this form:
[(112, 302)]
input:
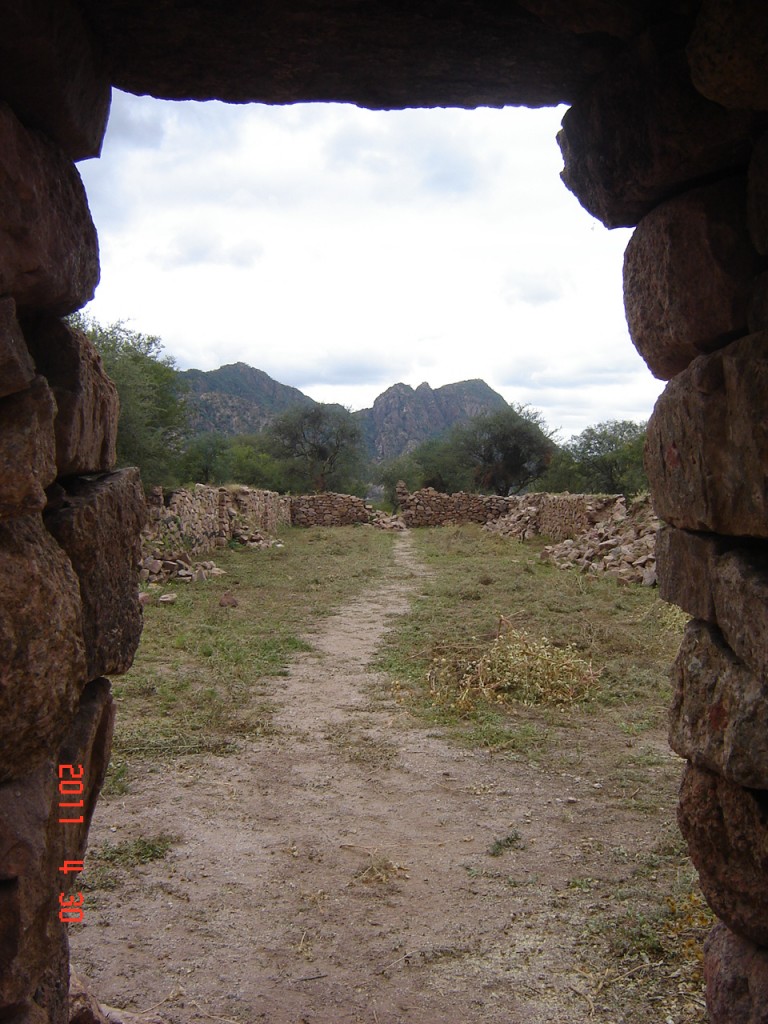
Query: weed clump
[(514, 668)]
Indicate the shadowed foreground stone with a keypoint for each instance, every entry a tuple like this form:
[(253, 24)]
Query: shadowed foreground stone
[(726, 828), (98, 527), (51, 75), (27, 448), (33, 846), (49, 254), (719, 716), (688, 272), (17, 369), (641, 132), (726, 585), (42, 655), (707, 449), (736, 975), (88, 407)]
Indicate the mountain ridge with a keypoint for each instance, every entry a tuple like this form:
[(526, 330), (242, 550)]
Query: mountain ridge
[(239, 399)]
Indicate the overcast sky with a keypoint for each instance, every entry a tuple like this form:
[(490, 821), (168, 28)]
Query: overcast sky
[(343, 250)]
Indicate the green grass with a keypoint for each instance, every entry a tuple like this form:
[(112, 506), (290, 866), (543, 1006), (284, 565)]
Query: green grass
[(481, 583), (195, 684)]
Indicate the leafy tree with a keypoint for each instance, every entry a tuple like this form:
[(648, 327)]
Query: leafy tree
[(248, 462), (153, 416), (507, 450), (609, 457), (206, 459), (319, 446)]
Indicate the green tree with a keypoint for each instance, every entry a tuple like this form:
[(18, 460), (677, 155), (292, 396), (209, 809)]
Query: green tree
[(507, 450), (609, 457), (319, 446), (153, 415), (206, 459)]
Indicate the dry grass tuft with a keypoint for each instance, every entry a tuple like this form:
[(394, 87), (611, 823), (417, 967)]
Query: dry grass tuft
[(514, 668)]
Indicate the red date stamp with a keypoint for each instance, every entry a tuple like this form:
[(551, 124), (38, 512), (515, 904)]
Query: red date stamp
[(71, 786)]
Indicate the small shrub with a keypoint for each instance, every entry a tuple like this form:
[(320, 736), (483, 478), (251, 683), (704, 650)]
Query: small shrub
[(515, 667)]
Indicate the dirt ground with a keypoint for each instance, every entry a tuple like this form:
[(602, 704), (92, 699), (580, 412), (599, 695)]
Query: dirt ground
[(339, 871)]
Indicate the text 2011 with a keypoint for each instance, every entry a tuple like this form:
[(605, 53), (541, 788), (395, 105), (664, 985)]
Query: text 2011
[(71, 787)]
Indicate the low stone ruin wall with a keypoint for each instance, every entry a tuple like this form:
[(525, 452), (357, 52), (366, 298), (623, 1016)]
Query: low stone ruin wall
[(200, 520), (329, 510), (559, 516)]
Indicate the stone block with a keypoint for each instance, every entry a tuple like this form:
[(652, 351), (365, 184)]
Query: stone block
[(49, 255), (726, 828), (42, 653), (723, 581), (98, 526), (88, 406), (685, 561), (51, 75), (27, 448), (719, 715), (33, 847), (728, 52), (641, 133), (707, 447), (17, 368), (757, 195), (688, 273), (736, 976)]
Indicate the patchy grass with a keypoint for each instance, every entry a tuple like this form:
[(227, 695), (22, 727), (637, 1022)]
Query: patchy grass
[(512, 841), (195, 686), (570, 637)]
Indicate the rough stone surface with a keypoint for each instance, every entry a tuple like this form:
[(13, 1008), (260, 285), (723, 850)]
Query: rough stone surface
[(27, 448), (379, 55), (707, 448), (688, 272), (685, 566), (42, 655), (642, 132), (98, 525), (722, 581), (726, 828), (728, 53), (17, 368), (88, 407), (719, 716), (757, 196), (736, 976), (51, 76), (33, 846), (49, 256)]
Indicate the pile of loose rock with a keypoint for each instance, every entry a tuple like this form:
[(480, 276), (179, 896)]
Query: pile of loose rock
[(157, 569), (622, 545)]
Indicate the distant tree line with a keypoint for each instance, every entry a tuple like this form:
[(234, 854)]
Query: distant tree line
[(320, 447)]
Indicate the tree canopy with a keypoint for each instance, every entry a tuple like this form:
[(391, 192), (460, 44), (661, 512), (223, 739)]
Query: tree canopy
[(320, 447), (604, 459), (507, 450)]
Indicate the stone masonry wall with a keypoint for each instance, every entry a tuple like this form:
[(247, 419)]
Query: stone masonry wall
[(559, 516), (668, 134), (69, 525), (205, 518), (674, 139)]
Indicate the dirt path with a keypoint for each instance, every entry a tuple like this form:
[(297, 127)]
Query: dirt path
[(339, 871)]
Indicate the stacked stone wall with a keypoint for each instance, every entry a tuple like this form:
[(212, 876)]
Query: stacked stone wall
[(673, 139), (198, 521), (69, 525), (329, 510), (668, 133), (558, 516)]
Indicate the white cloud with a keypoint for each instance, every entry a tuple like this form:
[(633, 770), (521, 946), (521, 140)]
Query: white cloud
[(343, 250)]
